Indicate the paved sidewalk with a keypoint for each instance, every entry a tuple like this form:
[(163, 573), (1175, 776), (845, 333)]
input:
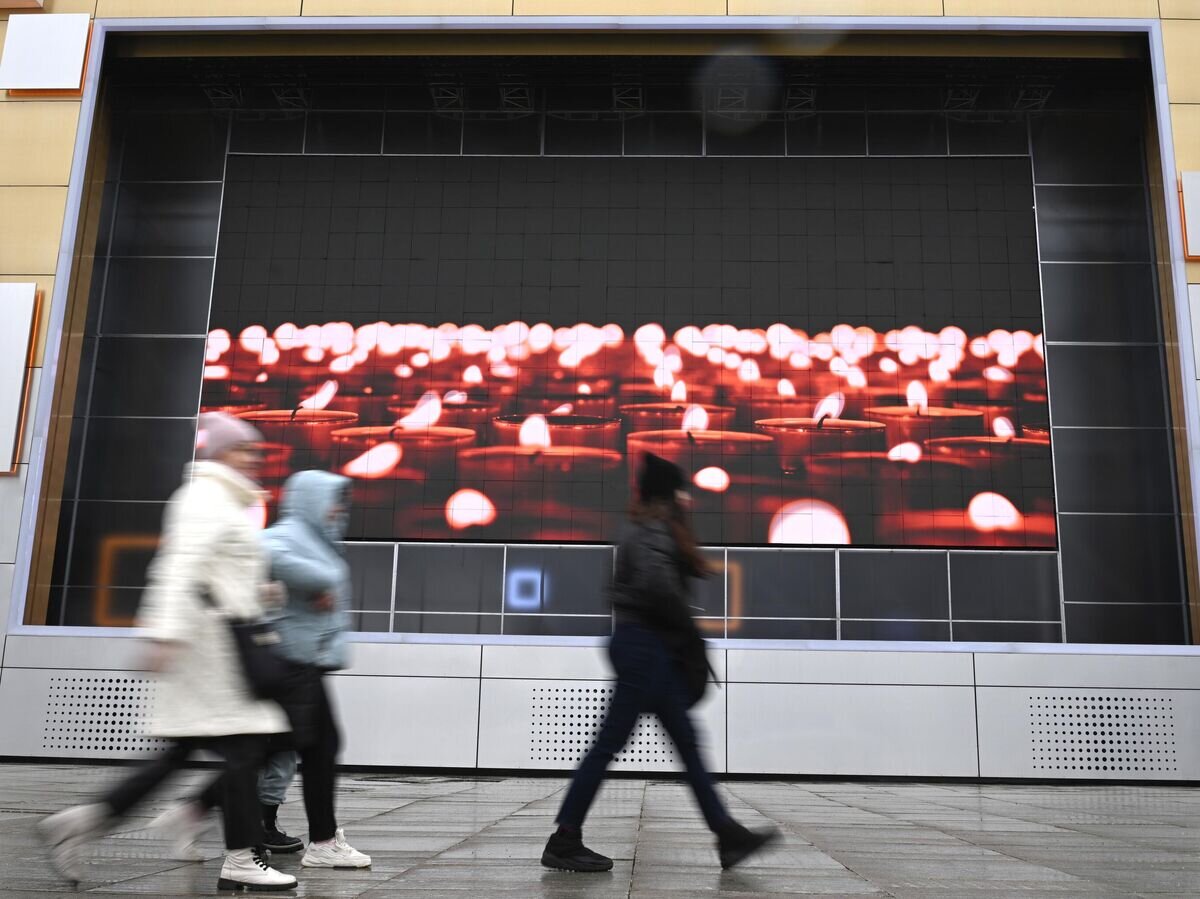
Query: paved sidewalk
[(470, 838)]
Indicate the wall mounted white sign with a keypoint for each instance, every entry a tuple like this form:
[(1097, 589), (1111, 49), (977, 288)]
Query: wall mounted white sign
[(18, 316), (44, 53)]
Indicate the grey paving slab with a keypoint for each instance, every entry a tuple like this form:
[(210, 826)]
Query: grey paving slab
[(462, 837)]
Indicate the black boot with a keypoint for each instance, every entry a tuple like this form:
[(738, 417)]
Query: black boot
[(274, 838), (565, 851), (736, 843)]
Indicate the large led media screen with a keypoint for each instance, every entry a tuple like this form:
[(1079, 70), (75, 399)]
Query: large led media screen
[(837, 351)]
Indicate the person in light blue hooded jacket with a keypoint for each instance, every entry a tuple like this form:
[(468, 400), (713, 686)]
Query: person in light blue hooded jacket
[(306, 557)]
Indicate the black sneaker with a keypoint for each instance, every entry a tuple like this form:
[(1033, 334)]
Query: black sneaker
[(278, 841), (566, 852), (736, 843)]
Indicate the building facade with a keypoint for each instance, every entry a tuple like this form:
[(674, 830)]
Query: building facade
[(905, 287)]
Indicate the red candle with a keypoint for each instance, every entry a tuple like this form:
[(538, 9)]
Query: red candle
[(918, 421), (428, 450), (693, 451), (475, 415), (798, 440), (665, 416), (1000, 463), (954, 527), (563, 430), (308, 431)]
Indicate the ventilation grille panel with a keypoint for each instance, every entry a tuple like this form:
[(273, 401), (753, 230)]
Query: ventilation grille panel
[(1103, 734), (564, 722), (98, 714)]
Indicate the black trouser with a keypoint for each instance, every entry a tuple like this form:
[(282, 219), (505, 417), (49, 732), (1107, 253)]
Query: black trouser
[(236, 790), (318, 757)]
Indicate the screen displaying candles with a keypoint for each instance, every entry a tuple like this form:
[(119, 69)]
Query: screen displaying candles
[(835, 354)]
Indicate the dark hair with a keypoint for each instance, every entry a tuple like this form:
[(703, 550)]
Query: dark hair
[(675, 517)]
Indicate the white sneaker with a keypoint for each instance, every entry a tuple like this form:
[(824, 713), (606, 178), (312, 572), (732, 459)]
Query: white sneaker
[(183, 825), (335, 853), (67, 832), (244, 869)]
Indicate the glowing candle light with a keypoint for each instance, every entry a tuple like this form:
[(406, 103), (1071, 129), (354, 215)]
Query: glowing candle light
[(805, 522), (918, 397), (713, 479), (403, 371), (472, 375), (216, 372), (425, 413), (584, 389), (260, 378), (419, 360), (377, 462), (679, 392), (1002, 427), (535, 432), (830, 407), (564, 409), (319, 400), (469, 508), (695, 419), (905, 452), (785, 388), (455, 397), (989, 511)]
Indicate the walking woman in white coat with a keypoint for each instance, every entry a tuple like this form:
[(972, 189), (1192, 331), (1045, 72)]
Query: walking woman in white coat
[(210, 567)]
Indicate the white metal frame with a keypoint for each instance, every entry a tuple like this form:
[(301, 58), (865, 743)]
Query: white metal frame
[(1151, 28)]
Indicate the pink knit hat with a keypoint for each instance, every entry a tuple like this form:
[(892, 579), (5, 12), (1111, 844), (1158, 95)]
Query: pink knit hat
[(217, 433)]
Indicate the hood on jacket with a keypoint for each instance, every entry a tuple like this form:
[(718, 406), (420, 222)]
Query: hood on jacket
[(308, 496)]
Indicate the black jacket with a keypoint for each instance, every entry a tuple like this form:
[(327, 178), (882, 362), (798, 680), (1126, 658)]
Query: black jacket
[(650, 588)]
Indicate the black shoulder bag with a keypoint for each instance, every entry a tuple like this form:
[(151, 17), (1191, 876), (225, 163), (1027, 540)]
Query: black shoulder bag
[(268, 674)]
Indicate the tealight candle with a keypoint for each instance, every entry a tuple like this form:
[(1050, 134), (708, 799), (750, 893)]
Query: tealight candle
[(664, 416), (308, 431), (918, 422), (797, 440), (564, 430)]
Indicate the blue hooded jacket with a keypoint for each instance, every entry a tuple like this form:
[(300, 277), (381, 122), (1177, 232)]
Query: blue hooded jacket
[(306, 557)]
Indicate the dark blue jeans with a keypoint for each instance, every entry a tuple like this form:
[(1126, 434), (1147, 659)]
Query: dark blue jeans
[(647, 681)]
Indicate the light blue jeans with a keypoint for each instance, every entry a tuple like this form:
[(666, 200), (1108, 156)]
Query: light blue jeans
[(276, 776)]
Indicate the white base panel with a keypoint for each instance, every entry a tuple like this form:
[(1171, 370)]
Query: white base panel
[(1051, 714)]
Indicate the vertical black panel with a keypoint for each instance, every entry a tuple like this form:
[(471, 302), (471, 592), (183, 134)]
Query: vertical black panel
[(894, 585)]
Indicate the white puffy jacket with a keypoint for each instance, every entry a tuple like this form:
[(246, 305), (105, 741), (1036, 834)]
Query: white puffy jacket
[(208, 544)]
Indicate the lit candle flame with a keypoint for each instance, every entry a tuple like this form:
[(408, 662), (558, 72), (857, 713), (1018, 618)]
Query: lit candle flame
[(473, 375), (918, 397), (694, 419), (454, 398), (712, 478), (322, 397), (260, 378), (564, 409), (419, 360), (403, 371), (807, 522), (679, 392), (535, 432), (748, 372), (584, 389), (785, 387), (469, 508), (998, 374), (1003, 427), (377, 462), (993, 512), (831, 406), (905, 452), (425, 413), (216, 372)]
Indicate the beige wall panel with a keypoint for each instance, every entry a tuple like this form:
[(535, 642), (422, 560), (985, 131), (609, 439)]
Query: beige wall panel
[(1140, 9), (130, 8), (1193, 272), (1181, 43), (87, 6), (1185, 130), (408, 7), (45, 286), (1179, 9), (619, 7), (37, 142), (835, 7), (31, 220)]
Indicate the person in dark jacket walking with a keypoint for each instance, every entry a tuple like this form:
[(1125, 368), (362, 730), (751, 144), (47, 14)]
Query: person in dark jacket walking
[(661, 667)]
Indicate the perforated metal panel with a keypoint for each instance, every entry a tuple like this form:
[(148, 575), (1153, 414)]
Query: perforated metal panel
[(564, 721), (1103, 732), (97, 714)]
